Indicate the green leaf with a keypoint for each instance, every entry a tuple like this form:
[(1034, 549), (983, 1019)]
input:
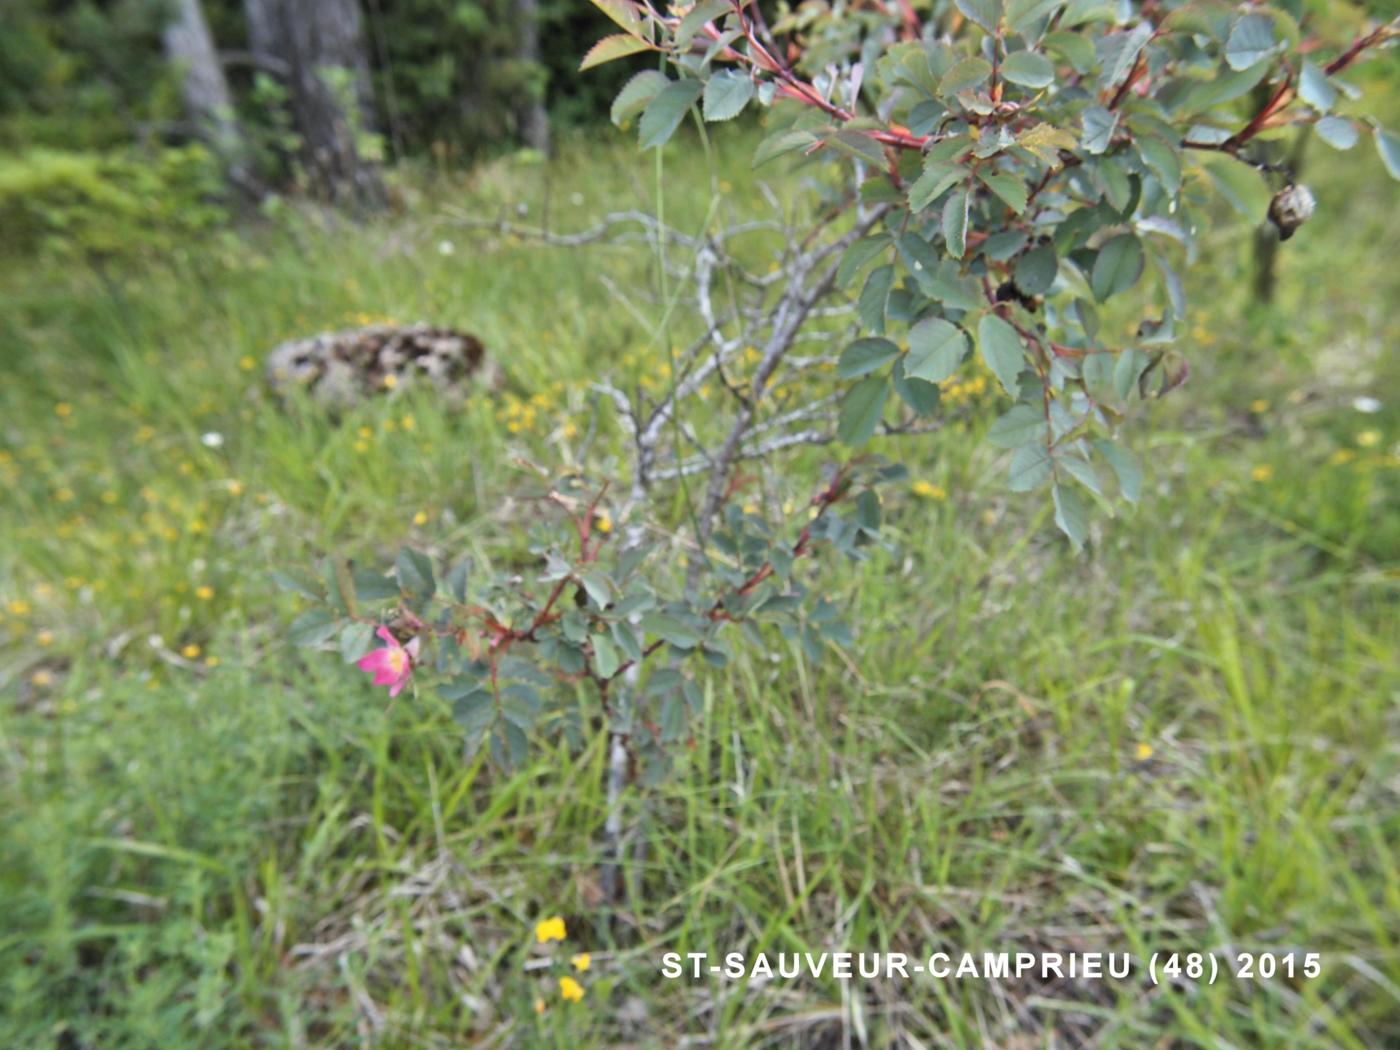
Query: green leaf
[(921, 396), (1082, 471), (606, 659), (1097, 372), (726, 95), (937, 178), (1006, 186), (936, 348), (1002, 349), (968, 73), (1316, 89), (857, 255), (1035, 271), (955, 223), (874, 297), (372, 586), (457, 578), (1388, 146), (623, 12), (1125, 468), (782, 142), (1046, 141), (1022, 425), (665, 112), (864, 356), (1118, 266), (986, 13), (619, 45), (1029, 69), (861, 410), (473, 707), (1251, 41), (1337, 132), (1241, 186), (1070, 515), (301, 582), (1075, 48), (415, 575), (1030, 467), (1165, 161), (599, 587), (697, 16), (1098, 124), (671, 630), (313, 627), (635, 95), (1128, 370), (356, 639), (1117, 52), (1022, 15)]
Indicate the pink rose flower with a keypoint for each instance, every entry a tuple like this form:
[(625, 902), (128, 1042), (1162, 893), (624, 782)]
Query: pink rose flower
[(392, 665)]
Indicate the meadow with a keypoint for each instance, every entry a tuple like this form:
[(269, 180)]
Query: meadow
[(1186, 738)]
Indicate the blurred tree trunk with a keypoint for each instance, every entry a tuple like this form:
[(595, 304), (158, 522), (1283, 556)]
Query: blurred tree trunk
[(531, 115), (320, 43), (189, 46)]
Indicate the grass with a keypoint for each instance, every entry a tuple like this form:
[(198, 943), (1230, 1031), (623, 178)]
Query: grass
[(1186, 740)]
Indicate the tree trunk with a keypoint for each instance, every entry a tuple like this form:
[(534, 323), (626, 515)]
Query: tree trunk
[(189, 46), (321, 45), (531, 117)]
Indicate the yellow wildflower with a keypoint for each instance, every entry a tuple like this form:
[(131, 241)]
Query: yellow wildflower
[(19, 607), (211, 661), (41, 678), (1259, 406), (1368, 438), (391, 381), (539, 1006), (235, 488), (1263, 472), (421, 518), (204, 592), (928, 490), (1143, 752), (408, 422), (582, 961), (604, 523), (44, 638), (63, 410), (191, 651), (550, 929), (570, 989), (362, 447), (247, 363), (1342, 456)]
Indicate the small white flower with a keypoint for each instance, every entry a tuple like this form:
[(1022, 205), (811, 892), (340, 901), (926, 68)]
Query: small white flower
[(1366, 405), (212, 439), (446, 248), (576, 198)]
